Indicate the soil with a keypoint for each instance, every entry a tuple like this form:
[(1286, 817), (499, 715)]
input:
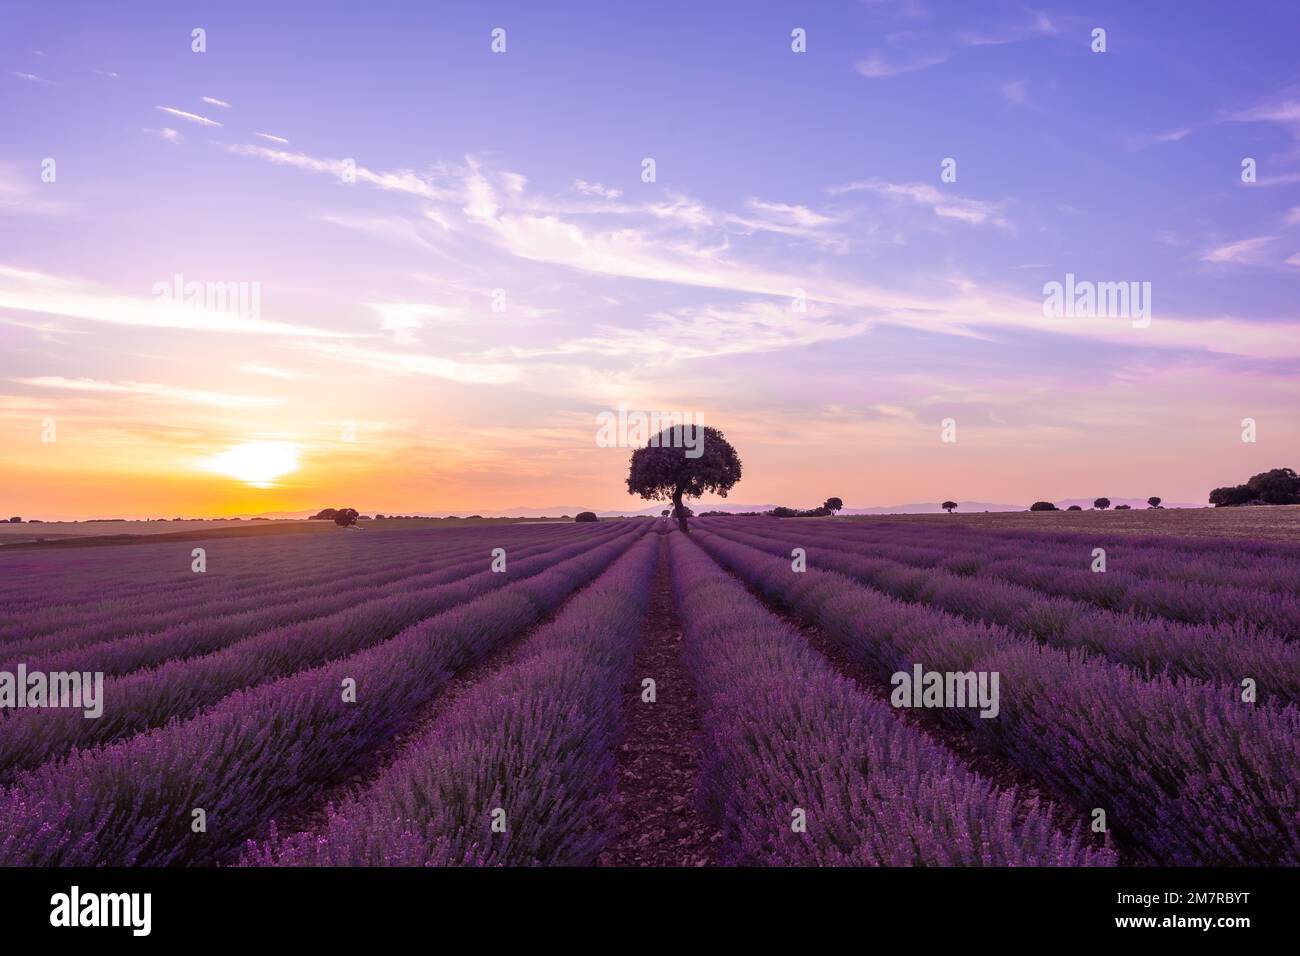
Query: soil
[(658, 763)]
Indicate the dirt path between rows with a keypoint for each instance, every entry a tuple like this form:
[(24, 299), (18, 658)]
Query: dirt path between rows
[(663, 823)]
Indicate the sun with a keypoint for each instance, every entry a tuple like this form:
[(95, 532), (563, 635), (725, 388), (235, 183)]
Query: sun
[(256, 463)]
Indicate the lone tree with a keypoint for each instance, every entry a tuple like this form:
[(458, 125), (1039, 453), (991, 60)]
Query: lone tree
[(1042, 506), (585, 516), (345, 517), (948, 506), (663, 470), (1153, 502), (1102, 503), (833, 505)]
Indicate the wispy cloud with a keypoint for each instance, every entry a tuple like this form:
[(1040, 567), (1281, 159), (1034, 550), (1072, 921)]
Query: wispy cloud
[(150, 390), (268, 372), (404, 180), (192, 117), (166, 133), (33, 78), (941, 203), (213, 101), (931, 51), (274, 139), (875, 66), (21, 195), (596, 189), (27, 291), (1242, 252), (1015, 91), (409, 363)]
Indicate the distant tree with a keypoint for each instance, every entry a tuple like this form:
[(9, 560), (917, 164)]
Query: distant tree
[(379, 517), (1043, 506), (663, 470), (325, 514), (585, 516), (15, 520), (345, 517), (833, 505), (948, 506), (1153, 502), (1102, 503), (783, 512), (665, 513), (1230, 495), (1122, 508), (1281, 486), (1074, 508)]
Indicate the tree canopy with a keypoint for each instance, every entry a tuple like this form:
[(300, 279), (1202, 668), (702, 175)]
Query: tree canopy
[(664, 471), (1280, 486)]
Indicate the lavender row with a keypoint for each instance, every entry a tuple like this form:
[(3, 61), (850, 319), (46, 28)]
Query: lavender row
[(530, 748), (91, 579), (1069, 574), (788, 741), (148, 698), (329, 561), (1223, 653), (1187, 773), (128, 642), (1156, 558), (263, 750)]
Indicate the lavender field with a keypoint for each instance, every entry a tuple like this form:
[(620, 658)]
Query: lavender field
[(624, 693)]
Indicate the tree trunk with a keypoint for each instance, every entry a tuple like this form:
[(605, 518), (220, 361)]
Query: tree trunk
[(680, 511)]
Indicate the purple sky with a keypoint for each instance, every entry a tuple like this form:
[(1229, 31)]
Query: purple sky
[(376, 370)]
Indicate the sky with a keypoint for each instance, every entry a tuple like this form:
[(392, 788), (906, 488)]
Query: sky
[(352, 255)]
